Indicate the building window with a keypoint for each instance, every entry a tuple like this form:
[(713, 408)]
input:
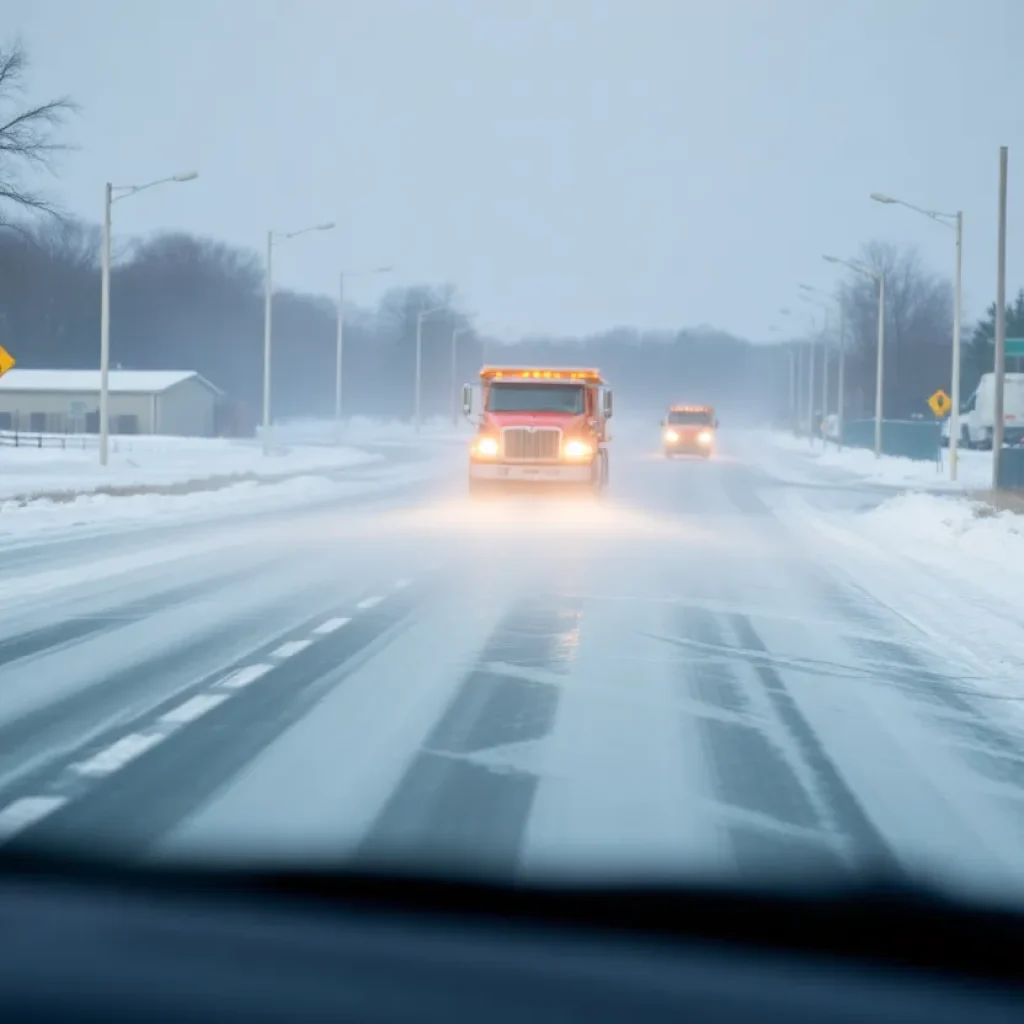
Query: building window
[(6, 421), (37, 422)]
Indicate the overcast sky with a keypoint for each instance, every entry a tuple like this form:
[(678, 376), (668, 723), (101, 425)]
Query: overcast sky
[(568, 164)]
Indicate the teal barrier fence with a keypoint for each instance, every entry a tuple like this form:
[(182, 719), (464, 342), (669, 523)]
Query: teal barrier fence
[(911, 439), (1011, 469)]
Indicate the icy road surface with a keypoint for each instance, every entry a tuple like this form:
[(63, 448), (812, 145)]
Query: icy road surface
[(712, 670)]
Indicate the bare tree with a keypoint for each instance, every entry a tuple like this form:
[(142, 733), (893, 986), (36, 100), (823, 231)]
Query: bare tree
[(28, 135), (918, 328), (919, 304)]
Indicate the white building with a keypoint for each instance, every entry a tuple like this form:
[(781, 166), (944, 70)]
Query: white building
[(178, 402)]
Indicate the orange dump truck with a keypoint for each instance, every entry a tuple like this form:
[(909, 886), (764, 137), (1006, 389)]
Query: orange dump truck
[(538, 426), (689, 430)]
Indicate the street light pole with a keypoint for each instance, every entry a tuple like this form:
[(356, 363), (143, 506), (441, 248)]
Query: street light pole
[(1000, 333), (841, 384), (339, 349), (794, 380), (880, 366), (879, 276), (454, 386), (954, 412), (808, 291), (810, 390), (824, 371), (420, 317), (792, 384), (108, 201), (339, 344), (955, 221), (268, 291), (268, 302), (105, 324)]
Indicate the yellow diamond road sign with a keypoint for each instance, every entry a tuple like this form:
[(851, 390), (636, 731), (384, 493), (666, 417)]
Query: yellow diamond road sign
[(940, 403), (6, 361)]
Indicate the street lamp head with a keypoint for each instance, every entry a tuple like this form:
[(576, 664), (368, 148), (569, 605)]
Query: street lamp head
[(324, 227), (831, 259), (806, 288), (187, 176), (881, 197)]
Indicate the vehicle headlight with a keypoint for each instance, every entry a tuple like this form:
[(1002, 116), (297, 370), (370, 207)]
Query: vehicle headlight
[(671, 435), (704, 437), (487, 447), (577, 450)]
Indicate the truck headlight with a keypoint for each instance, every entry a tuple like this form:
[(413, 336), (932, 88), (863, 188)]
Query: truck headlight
[(577, 450), (671, 435), (704, 437), (485, 447)]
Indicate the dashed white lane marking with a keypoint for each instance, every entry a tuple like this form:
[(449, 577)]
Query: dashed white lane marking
[(118, 754), (330, 626), (193, 708), (27, 811), (244, 676), (290, 648), (402, 584)]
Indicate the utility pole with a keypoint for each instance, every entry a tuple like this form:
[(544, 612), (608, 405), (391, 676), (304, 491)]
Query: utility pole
[(1000, 339)]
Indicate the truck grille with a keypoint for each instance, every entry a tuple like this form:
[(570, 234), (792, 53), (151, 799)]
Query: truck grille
[(538, 444)]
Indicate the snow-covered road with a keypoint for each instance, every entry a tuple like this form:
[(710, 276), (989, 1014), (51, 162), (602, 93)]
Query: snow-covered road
[(719, 668)]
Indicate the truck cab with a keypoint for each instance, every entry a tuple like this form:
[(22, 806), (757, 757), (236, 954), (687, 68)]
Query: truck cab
[(689, 430), (538, 426)]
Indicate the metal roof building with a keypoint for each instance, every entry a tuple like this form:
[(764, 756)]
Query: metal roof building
[(178, 402)]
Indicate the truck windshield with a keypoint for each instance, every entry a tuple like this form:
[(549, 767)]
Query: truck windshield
[(566, 398), (697, 416)]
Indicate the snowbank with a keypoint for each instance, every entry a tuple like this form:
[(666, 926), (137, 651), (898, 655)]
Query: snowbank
[(965, 548), (974, 469), (945, 527), (142, 461), (100, 513)]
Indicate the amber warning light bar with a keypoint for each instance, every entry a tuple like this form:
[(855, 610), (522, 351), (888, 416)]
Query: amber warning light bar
[(523, 372)]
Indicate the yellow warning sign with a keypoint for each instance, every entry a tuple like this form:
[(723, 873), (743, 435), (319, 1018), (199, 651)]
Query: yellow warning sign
[(940, 403), (6, 361)]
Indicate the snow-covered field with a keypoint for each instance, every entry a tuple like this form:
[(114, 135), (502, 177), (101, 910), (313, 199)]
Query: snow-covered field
[(104, 512), (158, 461), (46, 490)]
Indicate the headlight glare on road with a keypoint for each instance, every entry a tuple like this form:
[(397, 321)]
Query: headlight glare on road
[(578, 450), (486, 447), (671, 435), (704, 437)]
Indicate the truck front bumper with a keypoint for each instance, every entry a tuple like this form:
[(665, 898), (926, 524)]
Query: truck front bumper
[(520, 473)]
